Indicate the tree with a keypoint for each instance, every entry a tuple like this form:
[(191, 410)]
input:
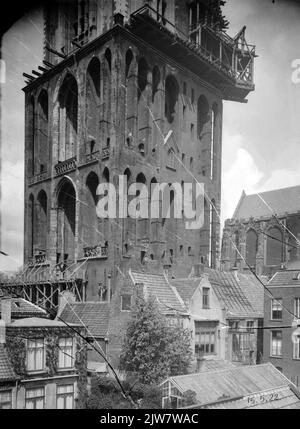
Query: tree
[(106, 394), (153, 349)]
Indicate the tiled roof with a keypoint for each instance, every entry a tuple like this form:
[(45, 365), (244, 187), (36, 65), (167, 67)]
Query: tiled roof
[(21, 308), (253, 290), (93, 315), (285, 278), (231, 383), (159, 286), (230, 294), (281, 201), (186, 287), (6, 369)]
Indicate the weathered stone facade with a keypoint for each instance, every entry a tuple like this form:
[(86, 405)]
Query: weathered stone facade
[(265, 241), (116, 84)]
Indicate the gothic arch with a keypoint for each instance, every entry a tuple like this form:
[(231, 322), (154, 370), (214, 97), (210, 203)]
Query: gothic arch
[(93, 105), (202, 114), (66, 220), (68, 118), (274, 246), (171, 97), (251, 247), (42, 220)]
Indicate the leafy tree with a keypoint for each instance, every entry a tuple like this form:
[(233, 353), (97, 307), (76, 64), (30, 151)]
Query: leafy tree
[(152, 348), (105, 394)]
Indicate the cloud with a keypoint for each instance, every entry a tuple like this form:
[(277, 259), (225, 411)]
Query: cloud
[(240, 172), (12, 205)]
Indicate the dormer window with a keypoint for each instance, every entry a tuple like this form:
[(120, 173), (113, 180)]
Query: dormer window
[(205, 297)]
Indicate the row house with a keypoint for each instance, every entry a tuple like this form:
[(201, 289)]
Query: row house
[(282, 320), (45, 360), (222, 312)]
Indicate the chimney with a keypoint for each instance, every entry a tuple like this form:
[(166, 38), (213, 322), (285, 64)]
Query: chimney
[(6, 309)]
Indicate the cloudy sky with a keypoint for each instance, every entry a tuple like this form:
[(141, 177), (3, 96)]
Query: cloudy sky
[(261, 139)]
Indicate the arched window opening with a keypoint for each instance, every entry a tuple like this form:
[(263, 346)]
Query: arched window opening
[(142, 149), (251, 248), (155, 81), (202, 114), (93, 103), (42, 131), (108, 57), (31, 137), (92, 183), (142, 223), (213, 146), (42, 221), (31, 226), (274, 247), (66, 222), (105, 175), (92, 236), (171, 161), (171, 98), (142, 76), (236, 248), (129, 59), (68, 103)]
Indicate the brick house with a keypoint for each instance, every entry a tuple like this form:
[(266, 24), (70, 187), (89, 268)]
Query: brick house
[(47, 358), (213, 306), (280, 348)]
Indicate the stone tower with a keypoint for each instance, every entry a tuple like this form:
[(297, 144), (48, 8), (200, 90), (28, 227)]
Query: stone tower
[(117, 78)]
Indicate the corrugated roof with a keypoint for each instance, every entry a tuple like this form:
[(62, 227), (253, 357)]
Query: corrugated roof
[(230, 294), (232, 383), (21, 308), (7, 372), (285, 278), (282, 398), (186, 287), (158, 286), (94, 316), (281, 201)]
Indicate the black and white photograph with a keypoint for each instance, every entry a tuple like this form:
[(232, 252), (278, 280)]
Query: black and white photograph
[(149, 208)]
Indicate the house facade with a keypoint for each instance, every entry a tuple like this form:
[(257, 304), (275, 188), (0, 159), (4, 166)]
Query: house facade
[(47, 359), (281, 318)]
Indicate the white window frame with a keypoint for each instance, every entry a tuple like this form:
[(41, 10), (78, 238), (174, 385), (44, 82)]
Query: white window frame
[(4, 403), (65, 395), (35, 349), (297, 307), (35, 399), (66, 353), (271, 344), (274, 303), (296, 348)]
